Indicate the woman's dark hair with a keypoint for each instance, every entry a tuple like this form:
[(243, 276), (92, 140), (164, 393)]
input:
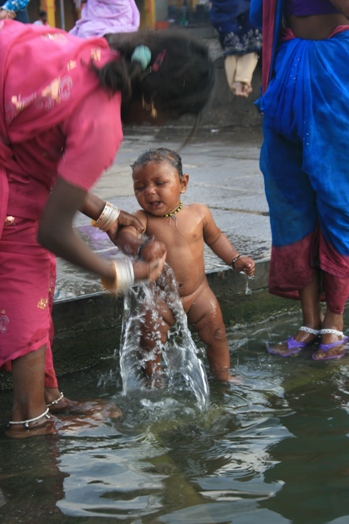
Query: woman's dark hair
[(158, 156), (183, 82)]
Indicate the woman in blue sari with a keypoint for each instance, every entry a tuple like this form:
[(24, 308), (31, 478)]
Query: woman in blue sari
[(241, 42), (304, 160)]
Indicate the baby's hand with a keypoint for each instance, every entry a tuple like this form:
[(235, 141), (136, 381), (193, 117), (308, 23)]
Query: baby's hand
[(245, 264), (152, 250)]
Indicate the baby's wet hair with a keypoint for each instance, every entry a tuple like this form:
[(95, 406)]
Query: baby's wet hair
[(158, 156)]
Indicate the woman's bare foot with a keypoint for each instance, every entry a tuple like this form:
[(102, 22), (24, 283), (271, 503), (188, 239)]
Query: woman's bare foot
[(45, 426), (64, 406), (80, 415)]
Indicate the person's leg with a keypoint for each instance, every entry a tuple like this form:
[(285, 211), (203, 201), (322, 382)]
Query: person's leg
[(246, 64), (293, 217), (29, 413), (206, 316), (312, 319), (333, 341), (230, 63)]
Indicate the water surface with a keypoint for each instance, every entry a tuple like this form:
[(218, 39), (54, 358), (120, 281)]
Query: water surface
[(274, 449)]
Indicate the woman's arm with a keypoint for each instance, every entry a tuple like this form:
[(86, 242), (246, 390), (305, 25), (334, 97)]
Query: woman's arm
[(56, 234), (93, 207)]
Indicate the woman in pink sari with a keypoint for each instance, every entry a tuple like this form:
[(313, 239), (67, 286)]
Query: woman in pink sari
[(60, 129)]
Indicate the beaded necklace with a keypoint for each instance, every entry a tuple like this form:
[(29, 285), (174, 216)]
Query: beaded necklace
[(174, 213)]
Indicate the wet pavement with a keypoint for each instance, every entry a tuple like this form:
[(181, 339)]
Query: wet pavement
[(223, 166)]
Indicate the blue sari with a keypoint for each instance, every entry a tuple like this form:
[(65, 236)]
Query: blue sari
[(304, 161)]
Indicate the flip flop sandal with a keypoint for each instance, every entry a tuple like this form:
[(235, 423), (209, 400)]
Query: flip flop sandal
[(327, 347), (294, 346)]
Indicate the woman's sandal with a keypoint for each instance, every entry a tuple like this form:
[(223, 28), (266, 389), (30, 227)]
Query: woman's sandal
[(241, 89), (327, 347), (294, 346)]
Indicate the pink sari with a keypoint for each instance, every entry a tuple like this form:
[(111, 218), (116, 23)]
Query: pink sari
[(54, 119)]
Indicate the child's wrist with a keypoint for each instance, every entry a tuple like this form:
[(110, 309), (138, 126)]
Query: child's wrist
[(234, 260), (140, 247)]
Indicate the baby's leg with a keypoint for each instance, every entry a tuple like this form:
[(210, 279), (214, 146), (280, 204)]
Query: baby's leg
[(206, 316), (155, 327)]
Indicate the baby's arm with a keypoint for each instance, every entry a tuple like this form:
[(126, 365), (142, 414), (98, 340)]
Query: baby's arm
[(133, 244), (223, 248)]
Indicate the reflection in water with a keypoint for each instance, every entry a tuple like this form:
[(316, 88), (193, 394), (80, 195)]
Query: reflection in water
[(271, 450)]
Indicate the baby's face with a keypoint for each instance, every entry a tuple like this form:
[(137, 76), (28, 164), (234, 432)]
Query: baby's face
[(158, 188)]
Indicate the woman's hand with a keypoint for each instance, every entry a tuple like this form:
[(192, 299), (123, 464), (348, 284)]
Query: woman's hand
[(124, 219)]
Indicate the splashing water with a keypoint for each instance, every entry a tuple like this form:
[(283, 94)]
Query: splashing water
[(179, 353)]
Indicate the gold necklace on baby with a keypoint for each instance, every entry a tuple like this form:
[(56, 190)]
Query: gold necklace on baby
[(174, 213)]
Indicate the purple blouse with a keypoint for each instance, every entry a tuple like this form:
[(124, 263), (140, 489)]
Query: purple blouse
[(309, 7)]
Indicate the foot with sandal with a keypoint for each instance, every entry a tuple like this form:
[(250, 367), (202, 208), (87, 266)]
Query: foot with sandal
[(332, 344), (241, 89), (304, 338)]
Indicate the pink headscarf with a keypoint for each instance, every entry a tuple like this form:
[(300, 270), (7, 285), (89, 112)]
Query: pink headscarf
[(100, 17)]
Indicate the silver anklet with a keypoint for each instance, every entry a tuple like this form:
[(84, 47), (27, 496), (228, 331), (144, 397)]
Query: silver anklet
[(54, 402), (331, 332), (27, 422), (309, 330)]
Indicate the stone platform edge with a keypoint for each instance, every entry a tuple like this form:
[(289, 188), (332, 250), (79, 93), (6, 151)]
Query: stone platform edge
[(88, 328)]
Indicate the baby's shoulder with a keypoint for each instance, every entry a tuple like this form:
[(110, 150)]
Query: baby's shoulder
[(142, 217), (198, 207)]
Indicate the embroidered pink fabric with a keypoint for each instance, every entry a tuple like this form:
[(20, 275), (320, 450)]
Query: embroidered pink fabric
[(56, 121)]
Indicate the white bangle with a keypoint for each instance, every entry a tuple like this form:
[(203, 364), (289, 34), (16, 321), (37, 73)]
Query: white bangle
[(124, 277), (107, 218)]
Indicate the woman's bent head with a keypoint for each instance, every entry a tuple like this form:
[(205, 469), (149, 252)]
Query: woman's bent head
[(177, 78)]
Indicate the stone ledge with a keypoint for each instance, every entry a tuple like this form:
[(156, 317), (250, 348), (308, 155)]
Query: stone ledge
[(88, 328)]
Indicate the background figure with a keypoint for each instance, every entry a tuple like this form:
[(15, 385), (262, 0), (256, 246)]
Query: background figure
[(100, 17), (42, 19), (305, 164), (19, 7), (240, 40)]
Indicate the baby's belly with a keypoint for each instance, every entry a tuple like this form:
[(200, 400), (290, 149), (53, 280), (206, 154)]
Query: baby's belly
[(189, 291)]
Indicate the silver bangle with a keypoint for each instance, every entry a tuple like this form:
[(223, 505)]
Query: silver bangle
[(234, 260), (107, 218)]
